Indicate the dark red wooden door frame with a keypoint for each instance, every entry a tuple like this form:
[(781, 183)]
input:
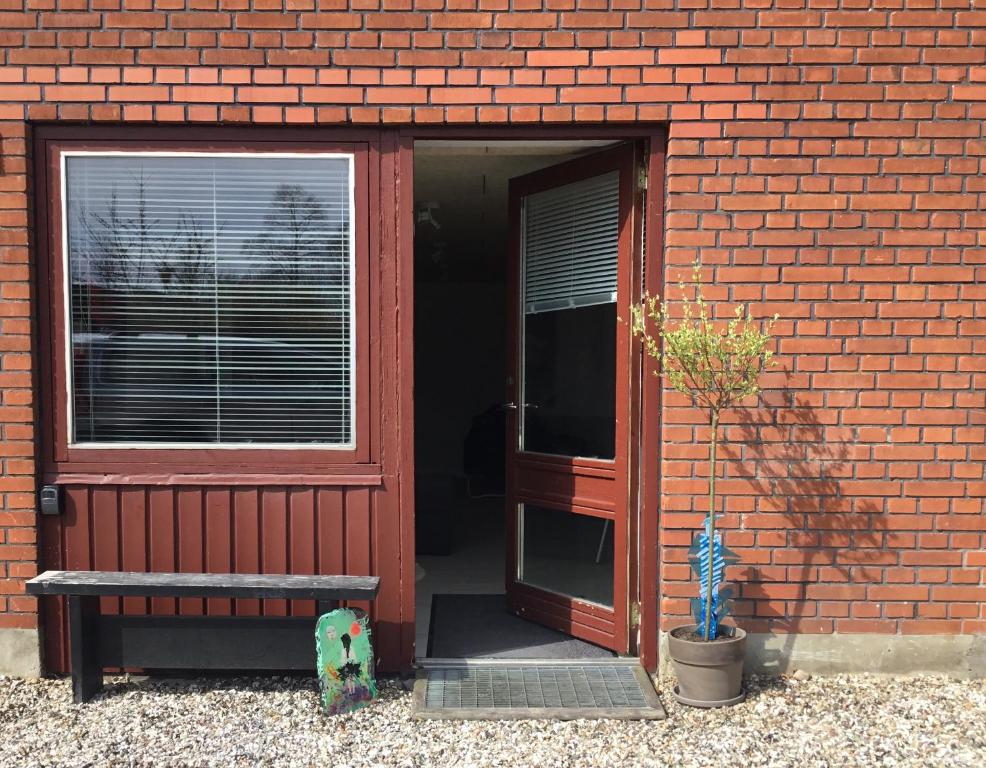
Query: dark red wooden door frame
[(645, 582)]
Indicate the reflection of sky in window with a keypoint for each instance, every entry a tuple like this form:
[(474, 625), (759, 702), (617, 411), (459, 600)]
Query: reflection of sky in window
[(251, 215)]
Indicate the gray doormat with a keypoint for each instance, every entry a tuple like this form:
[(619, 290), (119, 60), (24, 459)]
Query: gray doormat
[(515, 690), (480, 627)]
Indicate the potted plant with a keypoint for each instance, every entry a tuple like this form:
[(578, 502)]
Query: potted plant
[(717, 364)]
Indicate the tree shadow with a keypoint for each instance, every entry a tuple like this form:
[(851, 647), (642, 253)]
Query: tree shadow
[(812, 526)]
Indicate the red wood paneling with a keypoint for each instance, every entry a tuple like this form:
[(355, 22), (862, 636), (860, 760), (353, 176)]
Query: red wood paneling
[(188, 536), (301, 538), (217, 548), (246, 542), (133, 542), (259, 529)]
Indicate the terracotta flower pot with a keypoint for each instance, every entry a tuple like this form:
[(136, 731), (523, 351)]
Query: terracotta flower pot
[(709, 674)]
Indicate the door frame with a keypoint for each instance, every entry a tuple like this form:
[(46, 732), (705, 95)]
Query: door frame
[(645, 392)]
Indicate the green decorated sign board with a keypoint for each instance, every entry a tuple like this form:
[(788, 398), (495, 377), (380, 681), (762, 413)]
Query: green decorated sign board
[(345, 660)]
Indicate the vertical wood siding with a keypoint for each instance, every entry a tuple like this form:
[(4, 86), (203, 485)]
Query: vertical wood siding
[(235, 529)]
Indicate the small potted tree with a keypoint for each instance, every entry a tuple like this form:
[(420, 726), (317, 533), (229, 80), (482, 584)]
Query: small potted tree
[(717, 364)]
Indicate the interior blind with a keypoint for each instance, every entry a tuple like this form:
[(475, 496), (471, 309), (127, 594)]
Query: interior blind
[(210, 298), (570, 244)]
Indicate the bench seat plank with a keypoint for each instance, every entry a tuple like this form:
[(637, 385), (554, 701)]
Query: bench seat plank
[(262, 586)]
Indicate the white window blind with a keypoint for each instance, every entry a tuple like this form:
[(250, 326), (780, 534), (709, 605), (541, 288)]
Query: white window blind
[(211, 298), (570, 244)]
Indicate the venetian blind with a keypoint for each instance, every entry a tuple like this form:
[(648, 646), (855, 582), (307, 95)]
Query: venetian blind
[(210, 298), (570, 244)]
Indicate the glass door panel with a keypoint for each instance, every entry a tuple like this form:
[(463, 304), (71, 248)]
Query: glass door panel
[(569, 257), (566, 553), (570, 382)]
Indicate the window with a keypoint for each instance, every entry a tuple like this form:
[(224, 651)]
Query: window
[(210, 299), (570, 258)]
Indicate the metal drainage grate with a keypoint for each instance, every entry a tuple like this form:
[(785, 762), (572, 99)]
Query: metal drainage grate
[(494, 691)]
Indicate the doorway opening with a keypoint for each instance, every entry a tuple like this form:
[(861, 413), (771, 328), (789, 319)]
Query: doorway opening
[(518, 557)]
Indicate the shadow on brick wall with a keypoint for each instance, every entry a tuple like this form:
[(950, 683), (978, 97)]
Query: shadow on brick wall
[(816, 535)]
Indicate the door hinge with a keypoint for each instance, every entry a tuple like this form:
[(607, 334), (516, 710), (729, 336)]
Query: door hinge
[(642, 178), (634, 615)]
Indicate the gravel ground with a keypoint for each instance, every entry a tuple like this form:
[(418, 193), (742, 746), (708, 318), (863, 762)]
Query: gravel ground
[(834, 721)]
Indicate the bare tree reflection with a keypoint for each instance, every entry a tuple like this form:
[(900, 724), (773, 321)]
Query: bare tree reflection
[(296, 233), (120, 249), (191, 258)]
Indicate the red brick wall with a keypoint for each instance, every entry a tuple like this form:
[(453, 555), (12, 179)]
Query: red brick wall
[(825, 163)]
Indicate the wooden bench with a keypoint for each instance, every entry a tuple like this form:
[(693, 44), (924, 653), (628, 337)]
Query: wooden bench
[(191, 642)]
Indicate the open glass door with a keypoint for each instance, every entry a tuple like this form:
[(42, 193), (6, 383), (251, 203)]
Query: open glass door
[(568, 391)]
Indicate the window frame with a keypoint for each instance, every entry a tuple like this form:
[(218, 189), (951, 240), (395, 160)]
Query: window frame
[(55, 320)]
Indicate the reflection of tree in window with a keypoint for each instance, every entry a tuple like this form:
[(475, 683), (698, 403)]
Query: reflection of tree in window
[(297, 230), (135, 258), (119, 248), (192, 260)]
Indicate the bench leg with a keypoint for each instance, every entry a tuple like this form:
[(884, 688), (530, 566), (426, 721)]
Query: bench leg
[(87, 672)]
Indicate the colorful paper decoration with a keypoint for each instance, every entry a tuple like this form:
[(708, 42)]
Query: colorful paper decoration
[(345, 660)]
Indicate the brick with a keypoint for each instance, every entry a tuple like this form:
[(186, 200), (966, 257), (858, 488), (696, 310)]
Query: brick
[(139, 93), (87, 93), (26, 20), (751, 203), (814, 274), (67, 20), (331, 20), (969, 92), (935, 488), (721, 92), (204, 93), (526, 21), (659, 93), (898, 592), (943, 274), (809, 202), (136, 20), (946, 202), (379, 95), (200, 20), (20, 92), (461, 20), (593, 20), (889, 201), (974, 594), (461, 95), (267, 95), (558, 58), (689, 56)]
